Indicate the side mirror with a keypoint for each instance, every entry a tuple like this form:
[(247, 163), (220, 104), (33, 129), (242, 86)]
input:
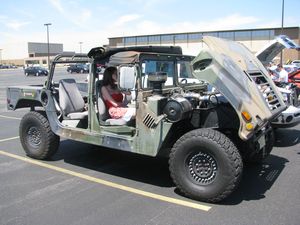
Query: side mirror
[(127, 77)]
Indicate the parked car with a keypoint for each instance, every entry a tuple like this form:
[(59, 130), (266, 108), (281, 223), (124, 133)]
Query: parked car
[(78, 68), (296, 63), (100, 70), (36, 70), (4, 66), (272, 49), (290, 68), (294, 77)]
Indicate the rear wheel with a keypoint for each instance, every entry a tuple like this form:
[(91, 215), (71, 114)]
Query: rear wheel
[(37, 74), (26, 74), (36, 137), (205, 165)]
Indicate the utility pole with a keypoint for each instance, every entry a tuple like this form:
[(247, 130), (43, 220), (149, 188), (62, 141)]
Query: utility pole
[(47, 25)]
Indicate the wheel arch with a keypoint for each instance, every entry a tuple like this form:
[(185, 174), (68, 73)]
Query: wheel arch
[(26, 103), (177, 130)]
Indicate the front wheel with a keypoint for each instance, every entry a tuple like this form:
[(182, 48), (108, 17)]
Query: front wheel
[(205, 165), (36, 137)]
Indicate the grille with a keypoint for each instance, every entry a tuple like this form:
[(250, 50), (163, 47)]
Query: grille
[(266, 89), (149, 121)]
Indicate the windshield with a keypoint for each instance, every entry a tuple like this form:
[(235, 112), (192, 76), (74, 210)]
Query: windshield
[(174, 68), (184, 73), (154, 66), (38, 68)]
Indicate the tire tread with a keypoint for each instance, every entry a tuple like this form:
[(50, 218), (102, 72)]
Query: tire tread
[(224, 143), (51, 139)]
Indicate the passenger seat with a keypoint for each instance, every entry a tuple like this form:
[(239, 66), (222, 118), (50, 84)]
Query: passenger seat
[(103, 113)]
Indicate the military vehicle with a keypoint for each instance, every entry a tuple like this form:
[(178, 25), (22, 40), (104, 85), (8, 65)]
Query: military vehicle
[(206, 133)]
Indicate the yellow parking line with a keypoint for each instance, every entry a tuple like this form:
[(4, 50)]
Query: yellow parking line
[(110, 184), (10, 117), (8, 139)]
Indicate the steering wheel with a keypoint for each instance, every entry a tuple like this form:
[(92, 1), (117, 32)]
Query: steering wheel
[(183, 81)]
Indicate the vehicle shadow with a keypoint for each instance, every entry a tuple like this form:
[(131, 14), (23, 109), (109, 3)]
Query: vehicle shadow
[(286, 137), (257, 180), (117, 163)]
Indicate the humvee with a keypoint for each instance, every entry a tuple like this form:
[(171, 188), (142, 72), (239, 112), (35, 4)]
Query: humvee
[(208, 114)]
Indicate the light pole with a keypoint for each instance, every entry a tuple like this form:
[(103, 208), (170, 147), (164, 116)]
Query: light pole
[(282, 17), (47, 25), (1, 55), (80, 44)]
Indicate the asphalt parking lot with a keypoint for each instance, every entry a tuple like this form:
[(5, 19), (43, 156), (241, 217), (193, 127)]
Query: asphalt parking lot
[(85, 184)]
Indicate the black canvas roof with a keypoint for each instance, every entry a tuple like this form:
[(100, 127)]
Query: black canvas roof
[(100, 53), (123, 58)]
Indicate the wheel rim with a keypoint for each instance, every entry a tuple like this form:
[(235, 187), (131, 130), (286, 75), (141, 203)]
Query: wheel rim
[(202, 168), (34, 136)]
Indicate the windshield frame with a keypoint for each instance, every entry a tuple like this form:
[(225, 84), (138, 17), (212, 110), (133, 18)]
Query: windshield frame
[(167, 57)]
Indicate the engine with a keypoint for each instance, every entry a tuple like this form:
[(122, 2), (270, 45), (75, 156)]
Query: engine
[(177, 108), (179, 105)]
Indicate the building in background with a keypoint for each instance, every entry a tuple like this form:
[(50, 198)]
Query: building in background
[(38, 53), (36, 49), (191, 42)]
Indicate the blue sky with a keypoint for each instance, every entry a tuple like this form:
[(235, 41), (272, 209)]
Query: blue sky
[(92, 21)]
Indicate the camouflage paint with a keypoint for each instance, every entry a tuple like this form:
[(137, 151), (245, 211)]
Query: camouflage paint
[(228, 63), (17, 95)]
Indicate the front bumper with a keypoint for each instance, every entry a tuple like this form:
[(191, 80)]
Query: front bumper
[(288, 118)]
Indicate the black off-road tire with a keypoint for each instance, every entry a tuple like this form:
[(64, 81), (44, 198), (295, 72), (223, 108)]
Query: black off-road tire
[(205, 165), (36, 137)]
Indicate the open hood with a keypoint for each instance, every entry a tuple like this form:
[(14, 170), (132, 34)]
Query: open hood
[(270, 51), (233, 70)]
